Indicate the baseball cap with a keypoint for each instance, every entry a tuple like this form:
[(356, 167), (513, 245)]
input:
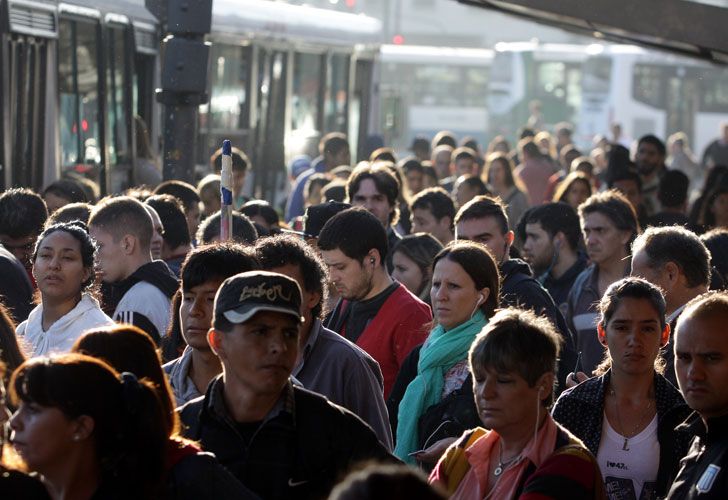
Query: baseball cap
[(241, 296), (318, 215)]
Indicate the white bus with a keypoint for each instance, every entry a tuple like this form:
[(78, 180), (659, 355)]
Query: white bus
[(652, 92), (526, 71), (427, 89)]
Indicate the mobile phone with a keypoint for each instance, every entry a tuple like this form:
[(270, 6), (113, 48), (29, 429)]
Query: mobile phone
[(578, 368)]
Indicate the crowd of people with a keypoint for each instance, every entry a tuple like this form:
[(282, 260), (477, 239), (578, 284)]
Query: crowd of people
[(530, 322)]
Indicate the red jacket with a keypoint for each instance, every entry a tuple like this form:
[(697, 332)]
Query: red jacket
[(402, 323)]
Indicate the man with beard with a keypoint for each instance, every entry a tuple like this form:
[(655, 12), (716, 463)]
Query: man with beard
[(650, 160), (375, 312), (551, 246)]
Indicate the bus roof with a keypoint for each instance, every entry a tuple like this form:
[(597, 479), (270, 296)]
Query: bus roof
[(421, 54), (277, 20)]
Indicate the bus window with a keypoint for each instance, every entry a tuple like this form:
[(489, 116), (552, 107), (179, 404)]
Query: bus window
[(78, 90), (118, 137), (307, 71), (337, 87), (228, 88), (597, 76), (714, 94), (647, 85)]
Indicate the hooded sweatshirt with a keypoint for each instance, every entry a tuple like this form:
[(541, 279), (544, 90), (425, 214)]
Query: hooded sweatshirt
[(143, 299), (63, 333)]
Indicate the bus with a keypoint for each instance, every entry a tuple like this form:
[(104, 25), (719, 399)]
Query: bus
[(522, 72), (427, 89), (650, 92), (76, 76), (281, 76)]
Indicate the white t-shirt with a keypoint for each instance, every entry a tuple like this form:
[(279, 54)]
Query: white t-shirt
[(630, 474)]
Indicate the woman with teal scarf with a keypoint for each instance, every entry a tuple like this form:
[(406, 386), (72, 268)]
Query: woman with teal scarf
[(434, 380)]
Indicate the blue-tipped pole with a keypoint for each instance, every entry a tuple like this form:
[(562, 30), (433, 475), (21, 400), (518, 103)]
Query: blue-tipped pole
[(226, 192)]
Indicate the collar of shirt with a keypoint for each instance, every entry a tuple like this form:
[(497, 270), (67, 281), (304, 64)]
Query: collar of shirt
[(310, 343), (673, 315), (284, 404)]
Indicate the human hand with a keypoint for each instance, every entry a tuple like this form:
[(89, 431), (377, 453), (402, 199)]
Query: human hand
[(433, 453), (574, 379)]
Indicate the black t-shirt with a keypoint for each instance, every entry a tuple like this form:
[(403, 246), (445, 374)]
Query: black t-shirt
[(358, 314)]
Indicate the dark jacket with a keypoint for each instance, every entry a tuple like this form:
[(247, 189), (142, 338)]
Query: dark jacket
[(559, 288), (199, 476), (452, 416), (704, 471), (302, 448), (156, 272), (581, 411), (16, 291), (520, 289)]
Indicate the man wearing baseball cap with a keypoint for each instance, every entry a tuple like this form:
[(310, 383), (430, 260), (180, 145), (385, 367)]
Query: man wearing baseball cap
[(279, 440)]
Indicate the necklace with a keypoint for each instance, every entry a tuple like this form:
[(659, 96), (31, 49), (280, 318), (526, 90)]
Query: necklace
[(501, 464), (625, 445)]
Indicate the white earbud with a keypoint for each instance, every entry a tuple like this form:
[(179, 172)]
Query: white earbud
[(481, 299)]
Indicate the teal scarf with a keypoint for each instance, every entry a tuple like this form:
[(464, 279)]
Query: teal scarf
[(440, 352)]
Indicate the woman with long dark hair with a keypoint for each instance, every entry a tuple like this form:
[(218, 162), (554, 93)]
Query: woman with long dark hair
[(627, 416), (63, 267), (188, 472), (86, 430)]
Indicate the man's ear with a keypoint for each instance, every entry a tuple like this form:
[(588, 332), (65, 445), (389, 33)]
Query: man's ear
[(510, 236), (214, 339), (128, 244), (672, 272)]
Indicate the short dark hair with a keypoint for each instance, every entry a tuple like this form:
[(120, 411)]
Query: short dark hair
[(79, 232), (437, 202), (557, 217), (261, 208), (478, 262), (707, 305), (516, 340), (676, 244), (66, 189), (333, 143), (444, 138), (716, 241), (216, 262), (484, 206), (317, 179), (355, 232), (383, 154), (334, 190), (123, 215), (628, 173), (70, 213), (673, 188), (474, 182), (22, 213), (243, 230), (655, 141), (411, 164), (241, 162), (186, 193), (285, 249), (384, 180), (464, 152), (172, 215), (613, 205)]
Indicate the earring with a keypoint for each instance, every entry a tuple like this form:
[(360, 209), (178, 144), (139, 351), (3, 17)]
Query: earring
[(76, 437)]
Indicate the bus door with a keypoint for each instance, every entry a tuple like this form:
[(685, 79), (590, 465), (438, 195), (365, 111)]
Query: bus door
[(270, 131), (362, 110), (27, 103), (78, 93), (306, 109), (146, 123)]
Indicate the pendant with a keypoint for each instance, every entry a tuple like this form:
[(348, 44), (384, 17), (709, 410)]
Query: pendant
[(498, 470), (624, 446)]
